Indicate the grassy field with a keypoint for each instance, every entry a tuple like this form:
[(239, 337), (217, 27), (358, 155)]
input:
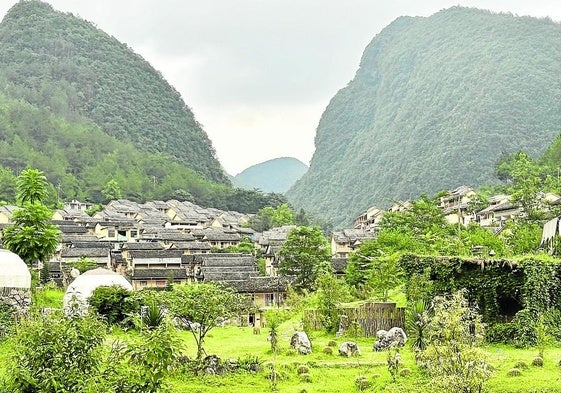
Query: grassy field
[(330, 373)]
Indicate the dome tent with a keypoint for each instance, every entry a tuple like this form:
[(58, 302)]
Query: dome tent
[(82, 287), (14, 272)]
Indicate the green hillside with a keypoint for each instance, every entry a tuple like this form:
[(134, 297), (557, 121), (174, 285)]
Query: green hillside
[(276, 175), (67, 66), (434, 103)]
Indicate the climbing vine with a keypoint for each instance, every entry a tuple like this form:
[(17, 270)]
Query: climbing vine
[(499, 288)]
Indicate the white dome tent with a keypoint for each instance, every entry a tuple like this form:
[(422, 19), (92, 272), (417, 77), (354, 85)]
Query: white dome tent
[(78, 292), (14, 272)]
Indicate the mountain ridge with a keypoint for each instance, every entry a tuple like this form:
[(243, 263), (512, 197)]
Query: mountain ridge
[(433, 103), (274, 175)]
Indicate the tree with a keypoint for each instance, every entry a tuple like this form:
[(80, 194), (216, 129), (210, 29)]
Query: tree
[(31, 187), (330, 293), (112, 190), (373, 269), (204, 306), (32, 236), (304, 254)]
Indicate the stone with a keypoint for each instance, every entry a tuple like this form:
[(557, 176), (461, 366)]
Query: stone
[(343, 325), (301, 343), (349, 348), (395, 337)]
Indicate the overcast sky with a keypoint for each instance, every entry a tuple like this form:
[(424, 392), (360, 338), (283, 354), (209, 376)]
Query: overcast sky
[(258, 74)]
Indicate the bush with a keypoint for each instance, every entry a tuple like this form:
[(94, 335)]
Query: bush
[(56, 354), (537, 361), (521, 365), (514, 372), (526, 328), (303, 369), (328, 350), (305, 378), (7, 319), (404, 372), (332, 343), (250, 363), (362, 383), (504, 333), (114, 303)]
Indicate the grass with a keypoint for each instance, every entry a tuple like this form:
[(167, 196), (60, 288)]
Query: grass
[(328, 373)]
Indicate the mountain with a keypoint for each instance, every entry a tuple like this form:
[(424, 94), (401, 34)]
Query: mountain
[(435, 102), (276, 175), (65, 65)]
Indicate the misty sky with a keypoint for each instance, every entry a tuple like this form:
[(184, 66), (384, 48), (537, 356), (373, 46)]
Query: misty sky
[(258, 74)]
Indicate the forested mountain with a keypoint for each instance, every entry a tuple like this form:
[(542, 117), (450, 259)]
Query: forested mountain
[(276, 175), (67, 66), (433, 105)]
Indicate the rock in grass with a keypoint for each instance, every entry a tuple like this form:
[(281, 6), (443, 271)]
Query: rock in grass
[(301, 343)]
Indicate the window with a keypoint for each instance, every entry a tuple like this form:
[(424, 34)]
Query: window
[(143, 284), (269, 299), (160, 284), (134, 233), (110, 233)]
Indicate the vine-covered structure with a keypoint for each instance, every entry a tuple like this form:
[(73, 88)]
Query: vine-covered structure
[(499, 288)]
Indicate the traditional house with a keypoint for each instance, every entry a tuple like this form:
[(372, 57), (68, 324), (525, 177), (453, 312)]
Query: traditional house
[(369, 221), (346, 241), (6, 212), (77, 205), (499, 211), (118, 231), (153, 267), (455, 205), (219, 238)]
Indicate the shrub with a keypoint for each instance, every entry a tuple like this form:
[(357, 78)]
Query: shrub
[(332, 343), (53, 353), (404, 372), (328, 350), (303, 369), (250, 363), (305, 378), (7, 319), (521, 365), (504, 333), (362, 383), (514, 372), (537, 361), (452, 357), (114, 303), (526, 328)]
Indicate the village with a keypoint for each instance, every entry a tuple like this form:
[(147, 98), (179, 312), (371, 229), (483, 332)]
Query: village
[(157, 243)]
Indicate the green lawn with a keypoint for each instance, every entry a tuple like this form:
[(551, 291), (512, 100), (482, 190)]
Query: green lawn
[(330, 373)]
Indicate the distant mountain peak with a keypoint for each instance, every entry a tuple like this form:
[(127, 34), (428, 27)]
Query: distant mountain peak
[(275, 175)]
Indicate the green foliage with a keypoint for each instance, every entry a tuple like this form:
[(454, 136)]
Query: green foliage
[(7, 320), (114, 303), (64, 64), (270, 217), (331, 292), (55, 354), (431, 99), (111, 191), (32, 236), (452, 357), (417, 321), (305, 254), (207, 304), (142, 368), (84, 264)]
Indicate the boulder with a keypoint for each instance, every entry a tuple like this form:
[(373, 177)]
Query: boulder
[(348, 349), (301, 343), (395, 337)]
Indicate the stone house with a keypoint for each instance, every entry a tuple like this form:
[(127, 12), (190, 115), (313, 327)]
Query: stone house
[(455, 205)]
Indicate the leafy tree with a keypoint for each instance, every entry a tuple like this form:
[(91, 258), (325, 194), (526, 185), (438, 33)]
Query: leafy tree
[(304, 254), (331, 292), (31, 187), (205, 304), (112, 190), (9, 185), (32, 236)]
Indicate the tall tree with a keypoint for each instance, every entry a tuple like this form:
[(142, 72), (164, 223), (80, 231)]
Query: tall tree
[(32, 236), (205, 304), (305, 254)]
